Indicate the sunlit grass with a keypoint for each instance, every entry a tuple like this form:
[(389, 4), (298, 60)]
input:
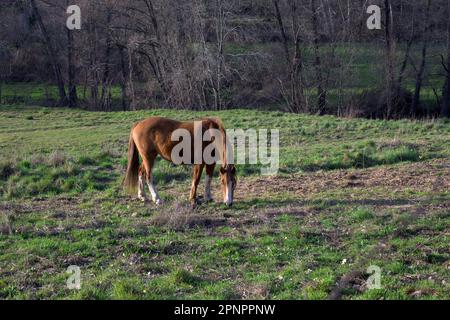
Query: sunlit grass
[(61, 204)]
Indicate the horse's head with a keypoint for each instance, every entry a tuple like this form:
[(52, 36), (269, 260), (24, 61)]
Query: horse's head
[(228, 183)]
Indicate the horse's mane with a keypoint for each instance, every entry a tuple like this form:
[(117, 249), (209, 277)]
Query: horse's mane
[(218, 122)]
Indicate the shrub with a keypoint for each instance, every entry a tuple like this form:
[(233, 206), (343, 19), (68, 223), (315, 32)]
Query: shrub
[(24, 166), (86, 161), (6, 170), (404, 153), (182, 276), (361, 214), (372, 104), (361, 156)]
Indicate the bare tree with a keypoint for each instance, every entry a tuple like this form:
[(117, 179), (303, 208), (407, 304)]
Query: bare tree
[(407, 55), (72, 97), (220, 35), (390, 56), (420, 71), (106, 81), (294, 96), (321, 93), (445, 110), (51, 53), (204, 55)]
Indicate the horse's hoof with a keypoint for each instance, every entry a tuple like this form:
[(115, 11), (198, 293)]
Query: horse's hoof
[(158, 202), (196, 202), (209, 200)]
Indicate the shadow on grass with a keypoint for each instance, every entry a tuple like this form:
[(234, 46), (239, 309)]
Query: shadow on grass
[(328, 203), (371, 202)]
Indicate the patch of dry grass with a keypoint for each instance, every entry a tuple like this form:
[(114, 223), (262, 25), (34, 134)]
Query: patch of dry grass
[(180, 217)]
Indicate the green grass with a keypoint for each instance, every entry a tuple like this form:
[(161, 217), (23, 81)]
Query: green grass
[(39, 93), (350, 193)]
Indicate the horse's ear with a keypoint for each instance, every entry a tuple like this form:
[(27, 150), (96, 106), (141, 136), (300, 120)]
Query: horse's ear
[(223, 170)]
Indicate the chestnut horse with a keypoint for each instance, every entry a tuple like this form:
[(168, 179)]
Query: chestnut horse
[(152, 137)]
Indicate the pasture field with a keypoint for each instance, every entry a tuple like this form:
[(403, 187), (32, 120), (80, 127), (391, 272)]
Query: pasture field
[(350, 194)]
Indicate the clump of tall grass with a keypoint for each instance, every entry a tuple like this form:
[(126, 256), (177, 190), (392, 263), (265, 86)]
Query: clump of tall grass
[(403, 154), (5, 224), (57, 158), (368, 154), (54, 174)]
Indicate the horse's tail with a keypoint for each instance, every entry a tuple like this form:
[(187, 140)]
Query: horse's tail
[(131, 177)]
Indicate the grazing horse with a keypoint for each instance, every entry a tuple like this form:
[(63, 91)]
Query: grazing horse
[(154, 136)]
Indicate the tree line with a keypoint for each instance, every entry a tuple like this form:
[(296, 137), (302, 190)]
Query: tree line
[(311, 56)]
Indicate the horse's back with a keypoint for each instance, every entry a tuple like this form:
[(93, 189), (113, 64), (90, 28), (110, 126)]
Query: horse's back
[(156, 122), (166, 125)]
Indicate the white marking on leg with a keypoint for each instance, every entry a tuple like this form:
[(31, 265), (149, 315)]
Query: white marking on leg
[(208, 196), (229, 194), (141, 191), (226, 195), (155, 197)]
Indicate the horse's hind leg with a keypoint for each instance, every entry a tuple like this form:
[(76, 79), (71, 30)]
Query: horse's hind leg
[(148, 164), (141, 190)]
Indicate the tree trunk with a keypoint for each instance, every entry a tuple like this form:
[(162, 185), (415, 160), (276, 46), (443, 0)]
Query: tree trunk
[(106, 94), (407, 54), (92, 72), (390, 57), (220, 36), (445, 111), (419, 77), (73, 99), (282, 30), (321, 93), (298, 101), (123, 84), (158, 62), (51, 54), (295, 98)]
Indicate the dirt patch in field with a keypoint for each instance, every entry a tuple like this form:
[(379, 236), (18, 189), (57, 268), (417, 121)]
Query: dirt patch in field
[(59, 206), (179, 217), (424, 177)]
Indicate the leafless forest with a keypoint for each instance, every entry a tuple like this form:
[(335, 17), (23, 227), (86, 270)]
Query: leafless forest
[(311, 56)]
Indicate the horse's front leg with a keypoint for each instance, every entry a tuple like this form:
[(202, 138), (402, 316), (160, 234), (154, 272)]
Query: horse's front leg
[(209, 174), (197, 174)]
